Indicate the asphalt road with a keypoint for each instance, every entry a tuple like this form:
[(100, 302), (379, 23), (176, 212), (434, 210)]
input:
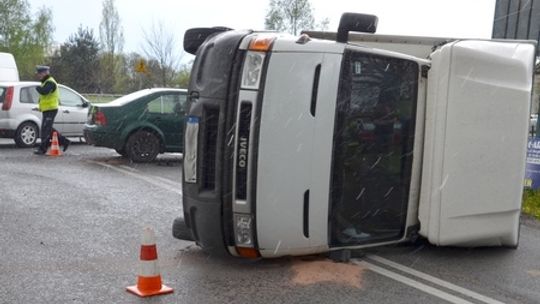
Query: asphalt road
[(71, 227)]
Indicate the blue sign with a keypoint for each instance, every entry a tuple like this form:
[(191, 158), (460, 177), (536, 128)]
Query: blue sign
[(532, 171)]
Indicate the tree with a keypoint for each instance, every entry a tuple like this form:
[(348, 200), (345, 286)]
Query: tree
[(76, 63), (290, 16), (161, 47), (27, 38), (112, 41), (182, 77)]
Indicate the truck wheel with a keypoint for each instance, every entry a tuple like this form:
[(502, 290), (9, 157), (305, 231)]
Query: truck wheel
[(142, 146), (181, 231), (26, 135)]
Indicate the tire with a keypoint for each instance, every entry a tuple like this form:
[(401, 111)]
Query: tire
[(181, 231), (142, 146), (194, 37), (26, 135)]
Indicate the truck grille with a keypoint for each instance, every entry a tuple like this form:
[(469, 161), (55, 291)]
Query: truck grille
[(242, 150), (208, 166)]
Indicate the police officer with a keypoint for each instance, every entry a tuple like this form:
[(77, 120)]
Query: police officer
[(48, 106)]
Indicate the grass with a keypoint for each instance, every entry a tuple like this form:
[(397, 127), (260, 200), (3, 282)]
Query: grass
[(531, 203), (97, 98)]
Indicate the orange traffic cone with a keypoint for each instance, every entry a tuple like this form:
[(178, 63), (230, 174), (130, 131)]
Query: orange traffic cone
[(149, 279), (55, 148)]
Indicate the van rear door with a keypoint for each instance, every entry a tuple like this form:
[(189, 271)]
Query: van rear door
[(477, 115), (8, 68)]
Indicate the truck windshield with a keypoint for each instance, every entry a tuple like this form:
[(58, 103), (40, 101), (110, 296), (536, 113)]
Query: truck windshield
[(373, 149)]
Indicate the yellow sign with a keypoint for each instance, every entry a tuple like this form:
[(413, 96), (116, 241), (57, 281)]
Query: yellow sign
[(140, 66)]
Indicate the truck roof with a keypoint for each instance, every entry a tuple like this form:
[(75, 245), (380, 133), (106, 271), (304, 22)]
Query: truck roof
[(418, 46)]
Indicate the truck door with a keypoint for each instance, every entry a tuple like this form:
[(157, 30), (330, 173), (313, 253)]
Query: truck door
[(372, 155), (295, 146)]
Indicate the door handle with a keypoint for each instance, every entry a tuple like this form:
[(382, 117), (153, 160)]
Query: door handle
[(66, 111)]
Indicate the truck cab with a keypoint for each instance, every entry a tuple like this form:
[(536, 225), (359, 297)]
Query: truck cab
[(321, 142)]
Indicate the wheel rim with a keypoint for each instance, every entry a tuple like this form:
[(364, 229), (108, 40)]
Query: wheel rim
[(145, 146), (28, 135)]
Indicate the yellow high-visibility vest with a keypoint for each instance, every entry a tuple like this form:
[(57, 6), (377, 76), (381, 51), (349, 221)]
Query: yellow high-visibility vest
[(49, 101)]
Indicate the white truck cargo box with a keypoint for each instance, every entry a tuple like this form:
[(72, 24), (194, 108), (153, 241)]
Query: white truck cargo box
[(475, 142), (8, 68)]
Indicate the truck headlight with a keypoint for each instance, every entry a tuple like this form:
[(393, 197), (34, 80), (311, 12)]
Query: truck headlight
[(190, 149), (243, 230), (251, 74)]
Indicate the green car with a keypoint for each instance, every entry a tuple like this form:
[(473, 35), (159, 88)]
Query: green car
[(139, 125)]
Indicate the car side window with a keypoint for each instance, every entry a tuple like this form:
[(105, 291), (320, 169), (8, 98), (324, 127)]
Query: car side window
[(180, 103), (166, 104), (69, 98), (29, 95), (154, 106)]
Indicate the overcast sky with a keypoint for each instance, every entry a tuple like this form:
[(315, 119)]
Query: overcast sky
[(443, 18)]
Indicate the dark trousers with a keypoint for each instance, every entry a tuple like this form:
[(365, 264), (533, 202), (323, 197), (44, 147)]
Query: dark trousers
[(47, 129)]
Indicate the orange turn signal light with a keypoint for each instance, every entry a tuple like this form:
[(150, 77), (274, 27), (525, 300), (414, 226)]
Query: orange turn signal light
[(261, 43), (250, 253)]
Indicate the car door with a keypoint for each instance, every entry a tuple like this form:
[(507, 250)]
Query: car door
[(28, 101), (166, 111), (72, 112)]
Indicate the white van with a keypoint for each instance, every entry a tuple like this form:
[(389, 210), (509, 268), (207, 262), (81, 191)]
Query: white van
[(298, 145), (8, 68)]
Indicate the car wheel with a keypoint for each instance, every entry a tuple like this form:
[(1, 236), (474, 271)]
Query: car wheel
[(142, 146), (26, 135)]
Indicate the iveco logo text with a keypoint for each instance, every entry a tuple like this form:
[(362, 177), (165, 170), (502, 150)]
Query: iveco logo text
[(242, 152)]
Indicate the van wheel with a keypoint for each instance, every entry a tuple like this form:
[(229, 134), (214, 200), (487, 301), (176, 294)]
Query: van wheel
[(26, 135), (142, 146)]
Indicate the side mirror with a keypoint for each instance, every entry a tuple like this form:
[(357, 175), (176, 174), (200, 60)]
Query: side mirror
[(194, 37), (353, 22), (85, 104)]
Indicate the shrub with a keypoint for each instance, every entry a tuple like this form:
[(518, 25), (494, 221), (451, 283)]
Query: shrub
[(531, 203)]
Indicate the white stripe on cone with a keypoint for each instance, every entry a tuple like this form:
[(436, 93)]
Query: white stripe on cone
[(148, 269), (149, 237)]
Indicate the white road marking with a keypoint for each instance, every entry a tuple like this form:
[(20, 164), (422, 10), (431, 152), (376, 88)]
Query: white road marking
[(407, 281), (435, 280), (165, 180), (432, 279), (154, 180)]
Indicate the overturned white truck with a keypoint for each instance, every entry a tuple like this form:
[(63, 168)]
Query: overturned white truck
[(329, 141)]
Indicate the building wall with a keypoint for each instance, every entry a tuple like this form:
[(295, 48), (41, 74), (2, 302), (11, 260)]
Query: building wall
[(519, 19)]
